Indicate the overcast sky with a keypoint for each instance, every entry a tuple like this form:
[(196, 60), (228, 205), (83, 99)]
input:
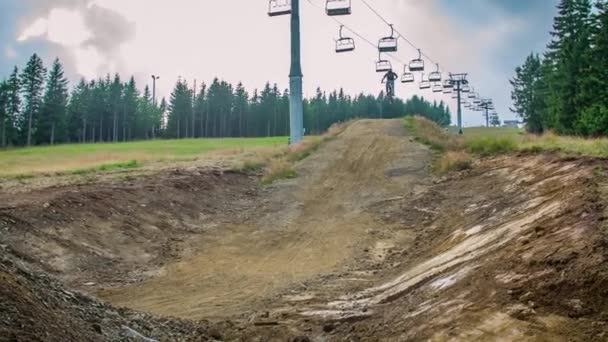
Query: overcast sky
[(236, 40)]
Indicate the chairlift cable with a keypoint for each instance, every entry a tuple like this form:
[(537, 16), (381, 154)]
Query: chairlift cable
[(397, 31), (360, 36)]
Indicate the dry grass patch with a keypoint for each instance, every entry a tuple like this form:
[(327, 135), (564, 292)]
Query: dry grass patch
[(453, 161), (282, 165), (429, 133)]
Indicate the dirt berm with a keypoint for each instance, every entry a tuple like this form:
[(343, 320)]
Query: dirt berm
[(364, 245)]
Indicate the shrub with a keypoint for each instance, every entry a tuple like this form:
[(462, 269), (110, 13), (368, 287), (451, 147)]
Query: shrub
[(278, 169), (453, 161), (488, 146)]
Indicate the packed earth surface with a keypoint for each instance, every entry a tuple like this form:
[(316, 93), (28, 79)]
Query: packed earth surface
[(365, 244)]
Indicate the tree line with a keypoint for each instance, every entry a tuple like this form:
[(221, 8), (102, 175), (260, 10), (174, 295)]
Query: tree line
[(37, 107), (566, 88)]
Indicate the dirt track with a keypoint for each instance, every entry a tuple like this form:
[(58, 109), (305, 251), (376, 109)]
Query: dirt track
[(364, 245), (303, 229)]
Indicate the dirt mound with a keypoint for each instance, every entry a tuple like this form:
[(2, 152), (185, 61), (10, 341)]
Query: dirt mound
[(34, 307), (99, 234)]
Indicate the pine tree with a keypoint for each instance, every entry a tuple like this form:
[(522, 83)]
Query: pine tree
[(3, 112), (594, 120), (78, 112), (115, 102), (32, 82), (180, 107), (52, 119), (566, 57), (13, 106), (130, 107), (527, 95), (241, 102)]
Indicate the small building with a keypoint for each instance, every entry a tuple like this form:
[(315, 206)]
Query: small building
[(511, 123)]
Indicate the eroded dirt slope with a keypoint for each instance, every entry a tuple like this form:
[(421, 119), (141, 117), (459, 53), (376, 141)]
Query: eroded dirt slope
[(364, 245)]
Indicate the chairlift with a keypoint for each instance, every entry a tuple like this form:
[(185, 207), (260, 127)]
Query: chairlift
[(424, 84), (472, 95), (465, 89), (435, 76), (344, 44), (477, 101), (418, 63), (279, 7), (447, 90), (383, 65), (407, 76), (437, 88), (338, 7), (388, 44), (447, 84)]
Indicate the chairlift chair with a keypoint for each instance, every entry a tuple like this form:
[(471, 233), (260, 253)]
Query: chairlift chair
[(447, 84), (472, 95), (388, 44), (437, 88), (477, 101), (418, 63), (424, 84), (344, 44), (383, 65), (279, 7), (447, 90), (338, 7), (455, 95), (465, 89), (435, 76), (407, 76)]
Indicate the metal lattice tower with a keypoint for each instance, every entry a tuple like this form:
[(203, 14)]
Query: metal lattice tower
[(458, 81)]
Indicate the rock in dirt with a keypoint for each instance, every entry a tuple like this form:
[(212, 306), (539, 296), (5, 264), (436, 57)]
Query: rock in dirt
[(520, 311)]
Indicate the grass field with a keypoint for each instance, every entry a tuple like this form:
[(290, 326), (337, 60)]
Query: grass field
[(492, 141), (82, 158)]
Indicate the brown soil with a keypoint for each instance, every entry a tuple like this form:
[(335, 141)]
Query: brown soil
[(364, 245)]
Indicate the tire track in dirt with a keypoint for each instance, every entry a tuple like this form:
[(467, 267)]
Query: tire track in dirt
[(303, 229)]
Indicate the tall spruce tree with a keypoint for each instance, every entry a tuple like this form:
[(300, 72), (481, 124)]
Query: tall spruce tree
[(567, 56), (32, 83), (594, 120), (78, 111), (180, 107), (13, 106), (527, 97), (3, 113), (52, 120)]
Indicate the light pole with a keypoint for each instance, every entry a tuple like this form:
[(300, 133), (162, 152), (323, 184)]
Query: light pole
[(154, 78)]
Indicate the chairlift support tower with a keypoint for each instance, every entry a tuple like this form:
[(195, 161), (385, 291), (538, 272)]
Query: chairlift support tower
[(296, 115), (459, 81), (487, 105)]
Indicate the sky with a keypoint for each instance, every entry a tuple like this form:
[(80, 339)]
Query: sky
[(237, 41)]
